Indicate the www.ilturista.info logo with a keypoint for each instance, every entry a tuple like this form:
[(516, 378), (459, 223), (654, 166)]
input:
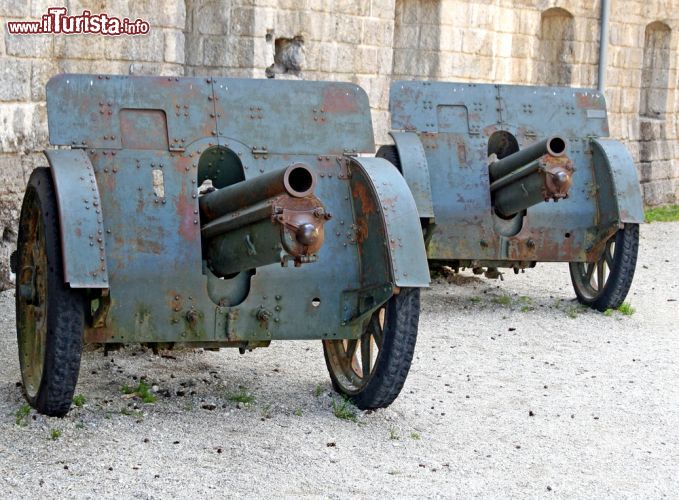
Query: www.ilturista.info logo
[(57, 20)]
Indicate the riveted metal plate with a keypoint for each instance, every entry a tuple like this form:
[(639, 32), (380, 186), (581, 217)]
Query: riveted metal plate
[(80, 219), (613, 164), (400, 225), (415, 170)]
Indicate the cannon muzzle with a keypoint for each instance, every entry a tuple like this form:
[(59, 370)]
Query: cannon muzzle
[(539, 172), (271, 218)]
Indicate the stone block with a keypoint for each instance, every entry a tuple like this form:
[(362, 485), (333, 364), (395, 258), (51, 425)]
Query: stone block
[(41, 72), (366, 60), (14, 8), (406, 36), (665, 192), (323, 27), (39, 7), (24, 127), (163, 14), (142, 48), (346, 58), (219, 51), (85, 46), (15, 78), (654, 150), (381, 127), (454, 13), (212, 18), (352, 7), (174, 47), (28, 45), (348, 29), (193, 49), (327, 61), (477, 42), (377, 32), (243, 21), (385, 57), (263, 53), (656, 171), (383, 9), (651, 130)]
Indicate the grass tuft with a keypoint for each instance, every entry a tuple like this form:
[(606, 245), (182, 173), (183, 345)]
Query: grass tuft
[(132, 413), (242, 396), (55, 434), (415, 435), (503, 300), (142, 391), (626, 309), (669, 213), (344, 409), (21, 415), (79, 400)]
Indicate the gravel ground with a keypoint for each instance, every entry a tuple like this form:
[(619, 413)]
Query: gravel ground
[(515, 391)]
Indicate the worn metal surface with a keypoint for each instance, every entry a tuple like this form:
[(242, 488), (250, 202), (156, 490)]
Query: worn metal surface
[(80, 219), (271, 218), (415, 170), (388, 210), (460, 125), (294, 117), (615, 168), (152, 140)]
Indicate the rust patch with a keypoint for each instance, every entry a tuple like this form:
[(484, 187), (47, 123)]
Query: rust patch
[(301, 218), (360, 192), (148, 246), (143, 129), (597, 249), (175, 300), (362, 230), (185, 205), (489, 130), (98, 335), (558, 176), (589, 101), (339, 100)]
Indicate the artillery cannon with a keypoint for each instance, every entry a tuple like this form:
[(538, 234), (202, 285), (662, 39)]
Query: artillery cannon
[(480, 161), (522, 179), (170, 213)]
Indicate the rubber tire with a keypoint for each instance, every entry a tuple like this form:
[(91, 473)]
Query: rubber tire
[(390, 153), (65, 311), (620, 277), (395, 357)]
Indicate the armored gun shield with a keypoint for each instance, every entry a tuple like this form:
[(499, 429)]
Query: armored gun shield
[(216, 212), (487, 165)]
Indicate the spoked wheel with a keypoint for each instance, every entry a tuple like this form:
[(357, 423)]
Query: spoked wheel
[(49, 314), (604, 284), (371, 370)]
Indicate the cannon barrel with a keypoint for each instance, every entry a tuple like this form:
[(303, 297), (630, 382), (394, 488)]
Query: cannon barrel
[(271, 218), (537, 173), (553, 146), (298, 180)]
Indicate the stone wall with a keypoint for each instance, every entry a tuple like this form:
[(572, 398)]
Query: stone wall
[(548, 42), (368, 42), (349, 40), (27, 62)]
